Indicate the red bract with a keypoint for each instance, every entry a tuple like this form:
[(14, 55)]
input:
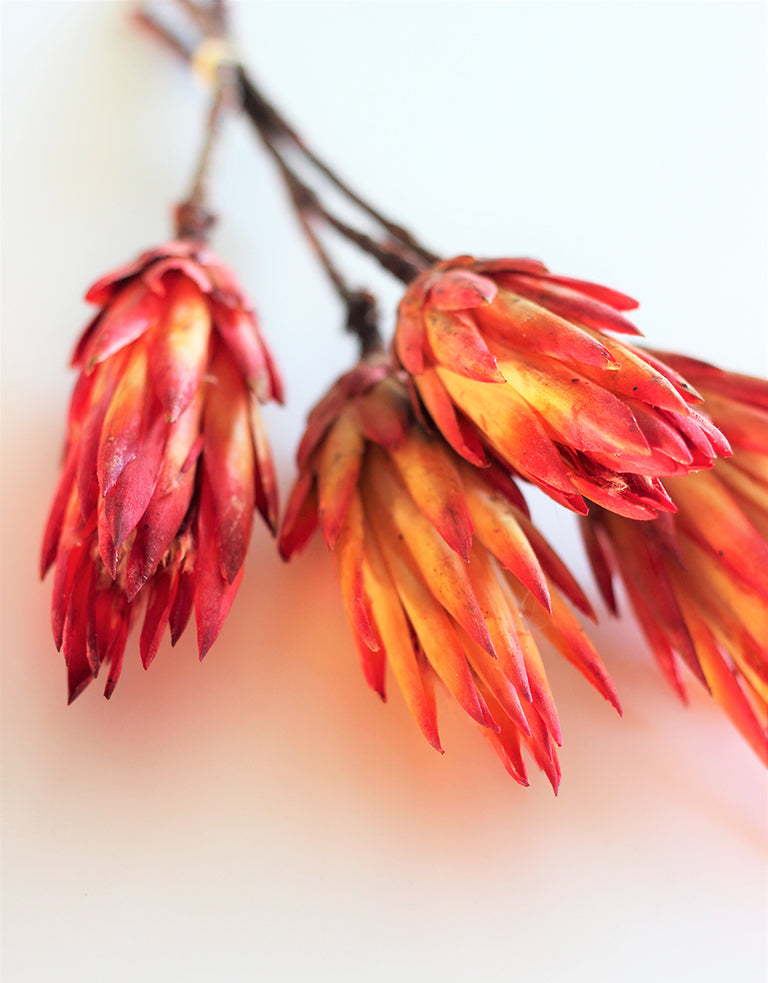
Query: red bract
[(698, 580), (443, 574), (512, 362), (165, 460)]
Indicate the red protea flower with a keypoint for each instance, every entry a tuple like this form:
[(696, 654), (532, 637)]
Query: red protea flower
[(511, 361), (442, 571), (165, 460), (698, 580)]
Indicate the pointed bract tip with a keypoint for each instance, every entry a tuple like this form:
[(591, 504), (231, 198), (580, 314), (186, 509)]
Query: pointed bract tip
[(613, 699), (74, 691)]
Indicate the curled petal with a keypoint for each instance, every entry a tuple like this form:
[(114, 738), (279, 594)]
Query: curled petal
[(350, 558), (170, 501), (494, 266), (265, 490), (431, 625), (513, 323), (383, 414), (435, 486), (180, 346), (496, 525), (61, 502), (619, 301), (439, 565), (339, 467), (578, 413), (459, 290), (156, 276), (435, 397), (134, 311), (238, 329), (489, 591), (301, 516), (228, 463), (455, 342), (392, 628), (569, 303), (159, 604), (126, 420), (712, 517), (126, 501), (213, 593), (515, 432), (495, 684)]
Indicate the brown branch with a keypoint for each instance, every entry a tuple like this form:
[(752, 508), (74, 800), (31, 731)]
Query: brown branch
[(264, 114), (272, 126)]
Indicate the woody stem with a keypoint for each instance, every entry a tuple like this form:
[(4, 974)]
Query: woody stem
[(362, 317), (391, 256), (193, 220), (264, 114), (192, 216), (403, 257)]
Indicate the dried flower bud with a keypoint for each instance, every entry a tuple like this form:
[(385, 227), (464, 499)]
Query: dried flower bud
[(165, 460), (509, 359), (442, 572)]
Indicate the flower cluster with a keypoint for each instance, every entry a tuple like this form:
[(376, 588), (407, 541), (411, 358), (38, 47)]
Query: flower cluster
[(499, 372)]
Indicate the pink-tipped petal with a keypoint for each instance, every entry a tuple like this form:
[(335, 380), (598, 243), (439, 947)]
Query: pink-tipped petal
[(459, 290), (228, 463), (214, 594), (129, 315), (180, 346)]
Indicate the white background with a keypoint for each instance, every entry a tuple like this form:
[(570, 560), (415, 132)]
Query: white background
[(263, 816)]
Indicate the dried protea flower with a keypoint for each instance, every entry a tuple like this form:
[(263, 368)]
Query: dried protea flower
[(442, 572), (165, 460), (698, 580), (511, 361)]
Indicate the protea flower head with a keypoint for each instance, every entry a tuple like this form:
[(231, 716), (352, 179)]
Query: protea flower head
[(698, 579), (512, 362), (442, 572), (165, 460)]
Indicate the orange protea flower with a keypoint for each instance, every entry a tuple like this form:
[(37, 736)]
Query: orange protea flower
[(164, 463), (510, 360), (698, 580), (442, 571)]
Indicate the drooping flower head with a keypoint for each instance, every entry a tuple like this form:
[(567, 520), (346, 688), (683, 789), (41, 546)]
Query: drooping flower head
[(165, 460), (511, 361), (698, 580), (442, 572)]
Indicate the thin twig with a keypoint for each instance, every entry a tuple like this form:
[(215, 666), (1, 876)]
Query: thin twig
[(389, 255), (212, 129), (255, 102), (362, 315), (161, 33), (193, 217), (269, 122)]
